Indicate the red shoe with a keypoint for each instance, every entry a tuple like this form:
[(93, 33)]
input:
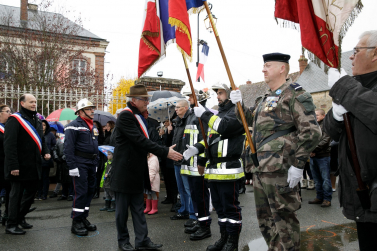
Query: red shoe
[(149, 206), (154, 207)]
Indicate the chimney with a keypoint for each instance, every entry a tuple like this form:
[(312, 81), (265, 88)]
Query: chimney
[(248, 82), (302, 62), (33, 7), (23, 13)]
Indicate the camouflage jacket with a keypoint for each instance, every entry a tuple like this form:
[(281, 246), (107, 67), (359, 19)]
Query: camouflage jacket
[(288, 106)]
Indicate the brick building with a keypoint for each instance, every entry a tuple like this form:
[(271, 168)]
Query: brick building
[(17, 21), (165, 84)]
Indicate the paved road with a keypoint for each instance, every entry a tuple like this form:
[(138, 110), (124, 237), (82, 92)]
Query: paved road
[(322, 228)]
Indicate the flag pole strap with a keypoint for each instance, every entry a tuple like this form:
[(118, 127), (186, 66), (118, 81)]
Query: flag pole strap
[(239, 106), (195, 101)]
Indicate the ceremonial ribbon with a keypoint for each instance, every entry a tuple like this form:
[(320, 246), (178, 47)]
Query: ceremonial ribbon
[(141, 121), (30, 129)]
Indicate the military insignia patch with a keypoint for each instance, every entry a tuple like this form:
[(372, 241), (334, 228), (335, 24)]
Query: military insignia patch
[(296, 86)]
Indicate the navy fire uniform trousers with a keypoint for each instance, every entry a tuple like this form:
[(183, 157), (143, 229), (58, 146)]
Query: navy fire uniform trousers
[(200, 199), (224, 196), (84, 188)]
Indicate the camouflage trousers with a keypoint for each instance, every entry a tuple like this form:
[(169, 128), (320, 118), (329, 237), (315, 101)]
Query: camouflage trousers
[(276, 204)]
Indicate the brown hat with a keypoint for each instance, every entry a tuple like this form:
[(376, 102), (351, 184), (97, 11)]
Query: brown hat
[(138, 91)]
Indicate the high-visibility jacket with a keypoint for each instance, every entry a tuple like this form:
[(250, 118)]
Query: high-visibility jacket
[(226, 140), (191, 136)]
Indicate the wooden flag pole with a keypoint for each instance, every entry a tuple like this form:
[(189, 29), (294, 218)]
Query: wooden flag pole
[(195, 101), (239, 106)]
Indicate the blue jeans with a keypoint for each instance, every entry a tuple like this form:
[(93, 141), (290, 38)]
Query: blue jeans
[(320, 168), (184, 191)]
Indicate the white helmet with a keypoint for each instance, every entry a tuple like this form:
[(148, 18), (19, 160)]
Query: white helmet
[(215, 87), (187, 91), (83, 103)]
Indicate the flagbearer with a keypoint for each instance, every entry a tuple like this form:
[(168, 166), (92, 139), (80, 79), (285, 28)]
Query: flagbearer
[(285, 133), (226, 143), (23, 147), (81, 151)]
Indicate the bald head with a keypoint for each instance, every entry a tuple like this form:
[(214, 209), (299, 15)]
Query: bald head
[(28, 101)]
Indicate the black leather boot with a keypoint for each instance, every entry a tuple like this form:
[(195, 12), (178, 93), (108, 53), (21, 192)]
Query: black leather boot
[(78, 228), (24, 224), (232, 243), (193, 229), (14, 229), (242, 186), (218, 246), (202, 233), (107, 206), (89, 226), (112, 206), (4, 219)]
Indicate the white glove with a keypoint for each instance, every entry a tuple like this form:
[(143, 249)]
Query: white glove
[(191, 151), (338, 111), (294, 176), (74, 172), (199, 111), (334, 75), (235, 96)]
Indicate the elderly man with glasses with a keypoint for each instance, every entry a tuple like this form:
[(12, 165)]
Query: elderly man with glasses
[(357, 96), (130, 168)]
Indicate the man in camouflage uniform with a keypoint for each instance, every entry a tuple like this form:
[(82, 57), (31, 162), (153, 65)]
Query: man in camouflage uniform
[(285, 133)]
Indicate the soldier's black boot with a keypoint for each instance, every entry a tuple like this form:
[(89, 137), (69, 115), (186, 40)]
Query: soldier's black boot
[(78, 228), (218, 246), (112, 206), (232, 243), (202, 233), (107, 206), (89, 226), (193, 229)]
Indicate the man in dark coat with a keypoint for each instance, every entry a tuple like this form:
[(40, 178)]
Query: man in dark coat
[(357, 96), (23, 145), (130, 168)]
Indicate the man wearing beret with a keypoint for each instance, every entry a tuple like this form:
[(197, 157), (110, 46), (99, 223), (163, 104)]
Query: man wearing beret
[(357, 96), (285, 132)]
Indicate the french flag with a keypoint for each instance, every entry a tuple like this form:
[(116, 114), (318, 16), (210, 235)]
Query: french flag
[(202, 60)]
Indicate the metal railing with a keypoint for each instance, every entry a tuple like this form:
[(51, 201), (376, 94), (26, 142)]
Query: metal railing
[(51, 99)]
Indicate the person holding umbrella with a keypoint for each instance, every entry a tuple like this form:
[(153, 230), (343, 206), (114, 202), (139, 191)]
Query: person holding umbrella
[(81, 151)]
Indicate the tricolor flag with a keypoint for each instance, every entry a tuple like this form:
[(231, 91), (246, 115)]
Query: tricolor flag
[(202, 60), (323, 24), (179, 17)]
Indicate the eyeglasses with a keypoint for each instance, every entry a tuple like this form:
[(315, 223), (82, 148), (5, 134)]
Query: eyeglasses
[(144, 99), (7, 111), (356, 49)]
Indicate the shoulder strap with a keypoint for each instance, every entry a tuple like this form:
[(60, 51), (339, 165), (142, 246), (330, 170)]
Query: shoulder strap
[(255, 120), (30, 129), (277, 135)]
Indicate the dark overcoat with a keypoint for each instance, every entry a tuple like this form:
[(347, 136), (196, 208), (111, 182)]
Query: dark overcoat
[(21, 152), (130, 164)]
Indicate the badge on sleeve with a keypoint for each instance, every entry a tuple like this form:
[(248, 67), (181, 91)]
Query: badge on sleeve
[(95, 132)]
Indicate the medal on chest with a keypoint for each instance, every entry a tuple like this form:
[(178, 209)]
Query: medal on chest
[(95, 132), (271, 103)]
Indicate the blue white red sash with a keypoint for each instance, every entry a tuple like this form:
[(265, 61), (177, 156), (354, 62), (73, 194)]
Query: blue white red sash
[(29, 128), (141, 120), (2, 127)]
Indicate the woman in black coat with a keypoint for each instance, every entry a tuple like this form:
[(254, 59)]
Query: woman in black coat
[(5, 112)]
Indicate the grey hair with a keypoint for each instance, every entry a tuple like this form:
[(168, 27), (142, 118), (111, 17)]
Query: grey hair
[(372, 38), (128, 99), (184, 101)]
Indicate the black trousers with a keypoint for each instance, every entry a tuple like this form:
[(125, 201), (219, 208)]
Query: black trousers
[(200, 199), (367, 234), (225, 201), (135, 202), (170, 183), (20, 199), (5, 184)]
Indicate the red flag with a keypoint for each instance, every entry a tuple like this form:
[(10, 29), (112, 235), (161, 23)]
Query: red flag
[(323, 24), (178, 17), (150, 42)]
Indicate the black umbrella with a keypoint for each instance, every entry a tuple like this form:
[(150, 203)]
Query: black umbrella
[(103, 117), (164, 94)]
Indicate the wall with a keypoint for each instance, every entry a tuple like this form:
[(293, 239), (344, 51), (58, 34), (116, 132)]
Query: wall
[(322, 100)]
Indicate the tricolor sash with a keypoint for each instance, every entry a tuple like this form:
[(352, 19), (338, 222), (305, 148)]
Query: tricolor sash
[(1, 127), (30, 129), (141, 120)]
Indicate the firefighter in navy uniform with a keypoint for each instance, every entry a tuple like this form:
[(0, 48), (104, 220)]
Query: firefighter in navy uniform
[(81, 151), (226, 139)]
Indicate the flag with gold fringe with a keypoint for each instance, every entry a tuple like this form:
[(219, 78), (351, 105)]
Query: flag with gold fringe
[(323, 24), (179, 11)]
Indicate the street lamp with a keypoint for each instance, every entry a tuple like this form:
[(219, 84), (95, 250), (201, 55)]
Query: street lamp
[(160, 73), (209, 27), (207, 21)]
